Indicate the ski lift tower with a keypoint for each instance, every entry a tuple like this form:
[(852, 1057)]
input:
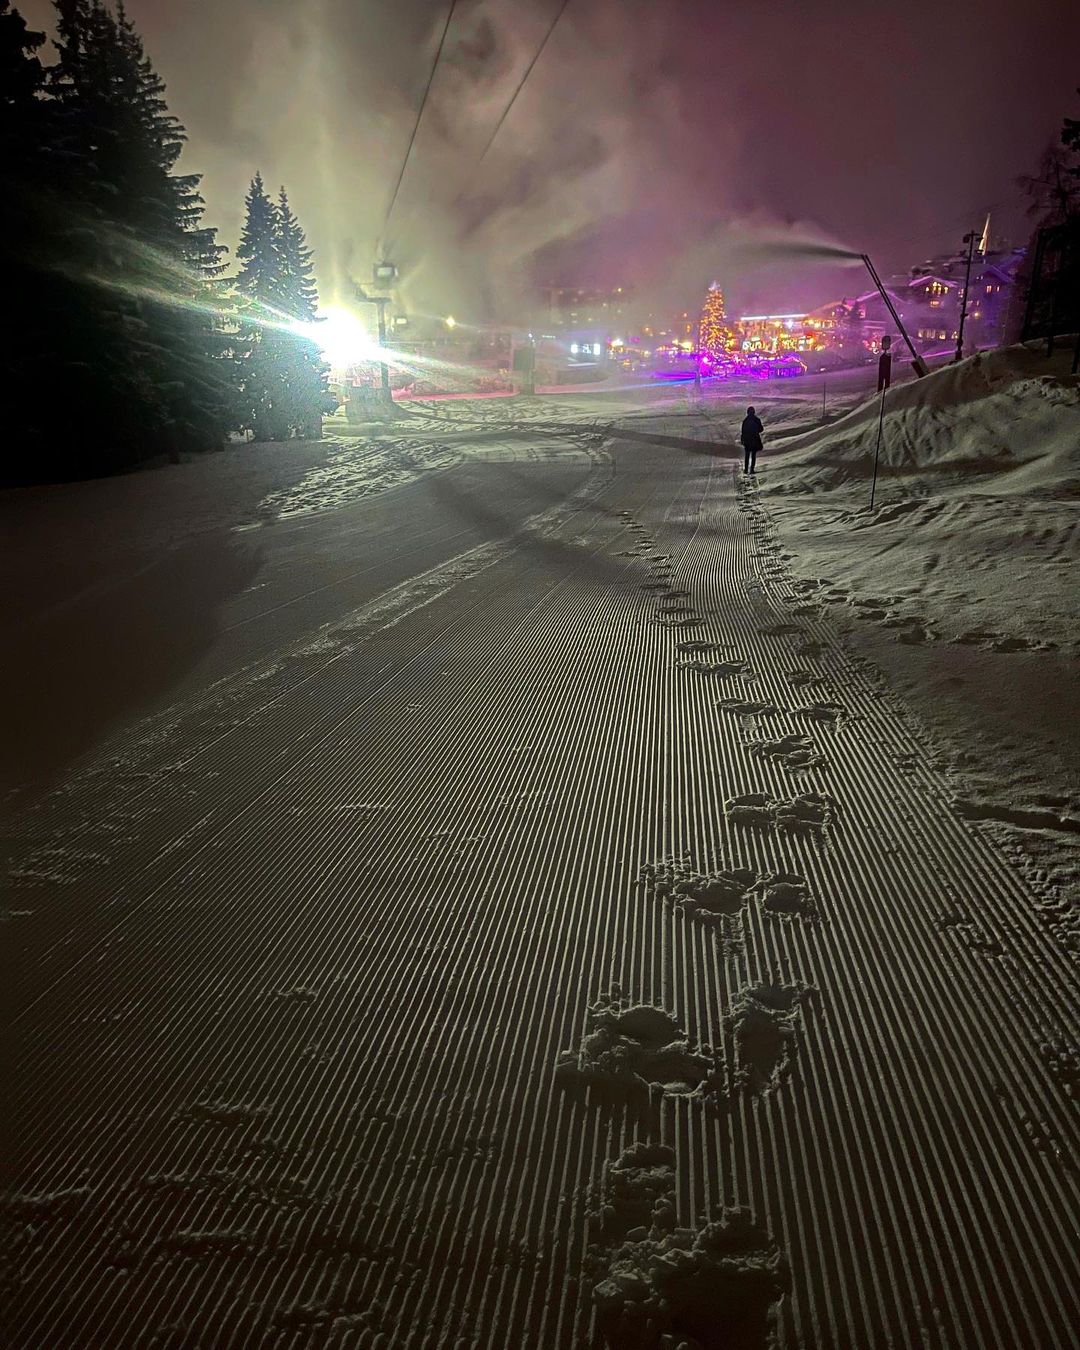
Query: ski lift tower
[(384, 276)]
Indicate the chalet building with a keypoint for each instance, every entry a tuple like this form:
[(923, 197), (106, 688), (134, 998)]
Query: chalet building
[(568, 307), (863, 316), (934, 293), (928, 301)]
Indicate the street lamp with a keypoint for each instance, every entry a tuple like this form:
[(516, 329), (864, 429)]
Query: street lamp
[(969, 239)]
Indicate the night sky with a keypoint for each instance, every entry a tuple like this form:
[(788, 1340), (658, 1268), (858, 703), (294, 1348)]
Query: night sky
[(653, 143)]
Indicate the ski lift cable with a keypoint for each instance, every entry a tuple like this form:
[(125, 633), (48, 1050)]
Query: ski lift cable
[(521, 82), (416, 125)]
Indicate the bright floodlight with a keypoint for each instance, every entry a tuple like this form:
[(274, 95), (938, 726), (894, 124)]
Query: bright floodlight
[(451, 322), (342, 338)]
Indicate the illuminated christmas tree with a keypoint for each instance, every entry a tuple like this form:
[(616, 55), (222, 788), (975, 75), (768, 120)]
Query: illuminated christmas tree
[(715, 335)]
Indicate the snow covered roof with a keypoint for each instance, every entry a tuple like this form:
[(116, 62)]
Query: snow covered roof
[(872, 294), (930, 276)]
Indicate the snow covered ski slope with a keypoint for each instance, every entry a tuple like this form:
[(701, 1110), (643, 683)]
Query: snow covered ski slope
[(577, 947)]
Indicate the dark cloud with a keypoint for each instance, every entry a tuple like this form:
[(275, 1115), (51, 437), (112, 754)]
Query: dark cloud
[(654, 145)]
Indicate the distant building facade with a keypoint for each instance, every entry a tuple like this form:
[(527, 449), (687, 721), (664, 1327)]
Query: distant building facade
[(928, 300), (580, 307), (931, 296)]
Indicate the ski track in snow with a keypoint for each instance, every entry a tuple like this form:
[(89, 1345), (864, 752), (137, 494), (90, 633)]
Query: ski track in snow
[(341, 1021)]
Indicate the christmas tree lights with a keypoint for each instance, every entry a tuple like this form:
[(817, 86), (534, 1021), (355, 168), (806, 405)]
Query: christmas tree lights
[(715, 335)]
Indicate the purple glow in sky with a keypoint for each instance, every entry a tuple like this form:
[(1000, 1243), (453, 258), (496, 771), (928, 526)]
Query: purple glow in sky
[(653, 146)]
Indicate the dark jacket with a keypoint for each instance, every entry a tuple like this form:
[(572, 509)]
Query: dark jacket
[(751, 433)]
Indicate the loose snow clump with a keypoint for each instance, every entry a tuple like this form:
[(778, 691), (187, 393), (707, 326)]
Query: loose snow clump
[(716, 1289), (635, 1051)]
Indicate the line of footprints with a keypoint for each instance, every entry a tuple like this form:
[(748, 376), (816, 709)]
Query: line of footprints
[(657, 1286)]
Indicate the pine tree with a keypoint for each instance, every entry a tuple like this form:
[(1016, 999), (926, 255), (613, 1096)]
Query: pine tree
[(1053, 193), (156, 255), (280, 372), (22, 145), (259, 278), (715, 335), (112, 279), (305, 376), (21, 76), (257, 349), (74, 383), (185, 262), (300, 297)]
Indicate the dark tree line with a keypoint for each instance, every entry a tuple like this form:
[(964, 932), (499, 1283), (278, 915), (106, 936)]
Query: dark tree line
[(125, 338), (1053, 193)]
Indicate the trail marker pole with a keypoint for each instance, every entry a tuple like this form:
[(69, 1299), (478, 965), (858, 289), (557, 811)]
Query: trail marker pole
[(877, 447)]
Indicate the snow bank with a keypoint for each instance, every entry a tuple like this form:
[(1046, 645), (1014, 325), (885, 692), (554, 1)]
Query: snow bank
[(1013, 414), (960, 585)]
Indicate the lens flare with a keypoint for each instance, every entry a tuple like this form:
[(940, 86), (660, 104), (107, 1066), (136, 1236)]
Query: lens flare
[(342, 338)]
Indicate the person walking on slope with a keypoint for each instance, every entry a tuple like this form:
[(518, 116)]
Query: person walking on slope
[(750, 435)]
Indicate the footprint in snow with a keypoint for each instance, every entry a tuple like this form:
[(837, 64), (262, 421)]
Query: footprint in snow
[(700, 648), (823, 712), (659, 1285), (800, 678), (787, 896), (807, 812), (721, 897), (747, 707), (636, 1051), (723, 669), (764, 1026), (794, 752)]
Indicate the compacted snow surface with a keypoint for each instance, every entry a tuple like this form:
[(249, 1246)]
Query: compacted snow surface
[(511, 881)]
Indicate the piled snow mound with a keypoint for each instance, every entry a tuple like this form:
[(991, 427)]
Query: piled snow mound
[(1013, 414)]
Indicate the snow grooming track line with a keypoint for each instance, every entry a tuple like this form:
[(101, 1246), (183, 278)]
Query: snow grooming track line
[(972, 867), (877, 1212), (484, 682), (393, 982), (218, 698), (426, 644), (420, 654)]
